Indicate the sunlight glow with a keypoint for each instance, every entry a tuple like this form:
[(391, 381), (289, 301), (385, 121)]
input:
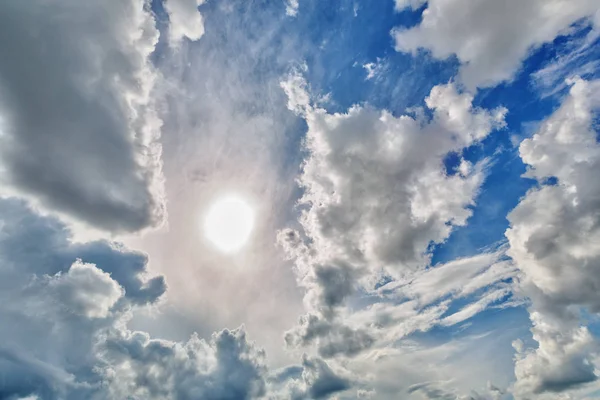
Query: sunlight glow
[(228, 223)]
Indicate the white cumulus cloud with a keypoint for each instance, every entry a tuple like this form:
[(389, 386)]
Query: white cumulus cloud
[(554, 239), (490, 38), (184, 20), (376, 195)]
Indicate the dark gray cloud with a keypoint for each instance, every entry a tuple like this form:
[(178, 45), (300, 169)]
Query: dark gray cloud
[(431, 391), (441, 391), (336, 281), (35, 244), (78, 133), (314, 379), (332, 337), (322, 380)]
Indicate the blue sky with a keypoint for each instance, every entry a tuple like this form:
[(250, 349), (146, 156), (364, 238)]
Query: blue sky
[(419, 219)]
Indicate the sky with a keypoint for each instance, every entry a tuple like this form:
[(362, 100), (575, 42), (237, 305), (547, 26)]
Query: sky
[(299, 199)]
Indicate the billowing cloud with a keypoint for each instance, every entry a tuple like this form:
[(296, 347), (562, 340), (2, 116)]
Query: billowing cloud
[(64, 345), (376, 189), (375, 69), (33, 244), (490, 38), (291, 7), (563, 360), (377, 192), (554, 239), (56, 298), (314, 379), (184, 20), (79, 132), (86, 290), (558, 245), (414, 4), (228, 367), (64, 333)]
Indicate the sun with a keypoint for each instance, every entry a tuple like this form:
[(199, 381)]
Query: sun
[(229, 223)]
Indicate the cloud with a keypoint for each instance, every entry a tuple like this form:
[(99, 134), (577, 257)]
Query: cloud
[(90, 354), (34, 244), (390, 322), (184, 20), (478, 306), (86, 290), (354, 182), (460, 278), (557, 245), (442, 390), (66, 307), (379, 197), (490, 38), (376, 192), (401, 308), (229, 367), (423, 300), (315, 379), (414, 4), (227, 131), (291, 7), (79, 131), (554, 234), (333, 338), (578, 58), (375, 69), (562, 361), (431, 390), (56, 299), (423, 366), (50, 328)]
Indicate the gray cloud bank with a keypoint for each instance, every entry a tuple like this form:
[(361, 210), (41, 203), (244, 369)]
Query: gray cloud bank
[(78, 132)]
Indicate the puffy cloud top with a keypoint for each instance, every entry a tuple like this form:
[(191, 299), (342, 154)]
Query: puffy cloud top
[(490, 38), (185, 20)]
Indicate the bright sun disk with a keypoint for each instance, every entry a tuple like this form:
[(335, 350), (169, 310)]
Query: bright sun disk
[(228, 223)]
